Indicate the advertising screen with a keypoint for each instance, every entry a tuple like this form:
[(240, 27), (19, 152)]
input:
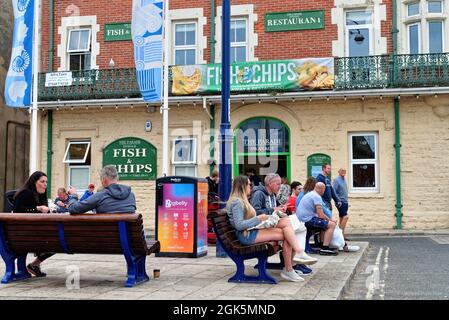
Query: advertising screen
[(176, 218), (203, 189)]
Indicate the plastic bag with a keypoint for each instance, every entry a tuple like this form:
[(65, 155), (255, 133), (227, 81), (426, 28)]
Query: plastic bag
[(338, 241), (298, 226)]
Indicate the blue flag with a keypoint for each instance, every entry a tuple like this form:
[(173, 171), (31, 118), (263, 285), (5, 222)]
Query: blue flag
[(18, 83), (146, 26)]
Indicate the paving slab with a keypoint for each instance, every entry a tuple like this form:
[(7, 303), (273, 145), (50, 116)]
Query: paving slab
[(103, 276)]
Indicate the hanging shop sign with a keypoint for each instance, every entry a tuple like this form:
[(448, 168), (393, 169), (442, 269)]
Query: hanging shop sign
[(117, 31), (315, 163), (276, 75), (134, 158), (297, 20)]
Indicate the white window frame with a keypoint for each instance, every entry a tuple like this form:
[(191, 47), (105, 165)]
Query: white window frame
[(185, 47), (88, 49), (442, 6), (79, 191), (374, 161), (370, 28), (442, 33), (419, 6), (194, 146), (241, 44), (419, 36), (76, 161), (184, 166)]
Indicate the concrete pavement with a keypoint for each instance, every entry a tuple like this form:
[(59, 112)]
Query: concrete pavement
[(103, 276)]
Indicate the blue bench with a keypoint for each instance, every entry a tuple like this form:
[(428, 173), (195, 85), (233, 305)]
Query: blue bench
[(22, 233)]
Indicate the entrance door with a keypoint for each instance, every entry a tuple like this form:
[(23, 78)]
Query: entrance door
[(262, 144)]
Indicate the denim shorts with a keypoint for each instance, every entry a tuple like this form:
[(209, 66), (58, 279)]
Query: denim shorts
[(317, 223), (343, 210), (250, 237)]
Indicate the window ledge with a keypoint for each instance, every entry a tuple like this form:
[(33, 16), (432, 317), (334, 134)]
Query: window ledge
[(374, 195)]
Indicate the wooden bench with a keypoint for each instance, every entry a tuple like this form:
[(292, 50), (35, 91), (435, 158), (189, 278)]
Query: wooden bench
[(22, 233), (226, 237)]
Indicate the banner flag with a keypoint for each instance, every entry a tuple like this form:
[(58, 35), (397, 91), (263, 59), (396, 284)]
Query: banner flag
[(146, 29), (18, 82), (256, 76)]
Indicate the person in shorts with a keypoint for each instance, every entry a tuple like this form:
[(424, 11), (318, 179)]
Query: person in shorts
[(310, 211)]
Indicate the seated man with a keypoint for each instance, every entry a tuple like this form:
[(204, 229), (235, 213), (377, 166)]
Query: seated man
[(114, 198), (63, 201), (310, 211)]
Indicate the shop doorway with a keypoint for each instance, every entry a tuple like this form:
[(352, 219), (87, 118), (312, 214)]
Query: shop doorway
[(262, 144)]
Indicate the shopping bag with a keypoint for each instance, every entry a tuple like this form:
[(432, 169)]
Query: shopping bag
[(338, 241), (298, 226)]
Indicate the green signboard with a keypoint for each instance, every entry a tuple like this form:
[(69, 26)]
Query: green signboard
[(315, 163), (297, 20), (134, 158), (275, 75), (117, 31)]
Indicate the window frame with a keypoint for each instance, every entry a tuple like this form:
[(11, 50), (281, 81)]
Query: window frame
[(407, 5), (85, 154), (419, 37), (441, 4), (240, 43), (185, 47), (194, 147), (79, 191), (194, 166), (370, 28), (428, 34), (374, 161), (88, 40)]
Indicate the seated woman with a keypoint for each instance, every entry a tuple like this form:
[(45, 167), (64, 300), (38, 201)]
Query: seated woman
[(242, 216), (32, 198)]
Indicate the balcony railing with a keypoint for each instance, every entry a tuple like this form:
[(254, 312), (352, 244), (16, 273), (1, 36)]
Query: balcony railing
[(93, 84), (399, 71), (352, 73)]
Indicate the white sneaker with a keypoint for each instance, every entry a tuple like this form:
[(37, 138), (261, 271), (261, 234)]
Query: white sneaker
[(291, 276), (304, 258), (348, 248)]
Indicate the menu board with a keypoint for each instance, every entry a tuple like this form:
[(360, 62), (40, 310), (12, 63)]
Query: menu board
[(176, 218)]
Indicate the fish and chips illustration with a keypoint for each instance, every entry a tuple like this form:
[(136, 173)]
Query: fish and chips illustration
[(186, 79), (314, 76)]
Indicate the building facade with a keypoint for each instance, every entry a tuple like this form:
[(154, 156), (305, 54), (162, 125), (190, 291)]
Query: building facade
[(321, 81)]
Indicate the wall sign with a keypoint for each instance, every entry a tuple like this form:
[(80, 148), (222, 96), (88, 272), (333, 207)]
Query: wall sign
[(315, 163), (297, 20), (134, 158), (117, 31), (58, 79)]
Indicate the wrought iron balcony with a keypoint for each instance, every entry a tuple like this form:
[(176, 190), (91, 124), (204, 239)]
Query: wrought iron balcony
[(398, 71), (351, 73), (92, 84)]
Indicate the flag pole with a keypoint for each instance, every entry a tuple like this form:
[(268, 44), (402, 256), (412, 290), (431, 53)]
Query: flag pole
[(164, 108), (34, 109)]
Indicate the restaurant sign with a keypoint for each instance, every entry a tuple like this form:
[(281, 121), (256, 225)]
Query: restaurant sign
[(134, 158), (276, 75), (297, 20), (117, 31)]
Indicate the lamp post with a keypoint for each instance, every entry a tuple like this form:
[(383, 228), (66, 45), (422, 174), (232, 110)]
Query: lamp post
[(225, 166)]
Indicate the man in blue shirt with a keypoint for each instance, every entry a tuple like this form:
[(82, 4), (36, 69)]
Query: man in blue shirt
[(329, 193), (341, 189), (310, 212)]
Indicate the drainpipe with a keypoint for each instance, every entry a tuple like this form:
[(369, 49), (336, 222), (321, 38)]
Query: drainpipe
[(50, 112), (212, 107), (397, 141)]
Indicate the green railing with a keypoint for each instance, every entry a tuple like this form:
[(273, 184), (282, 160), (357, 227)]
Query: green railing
[(361, 72), (353, 73), (399, 71), (93, 84), (421, 70)]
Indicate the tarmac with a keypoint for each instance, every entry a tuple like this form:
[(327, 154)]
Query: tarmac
[(83, 276)]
